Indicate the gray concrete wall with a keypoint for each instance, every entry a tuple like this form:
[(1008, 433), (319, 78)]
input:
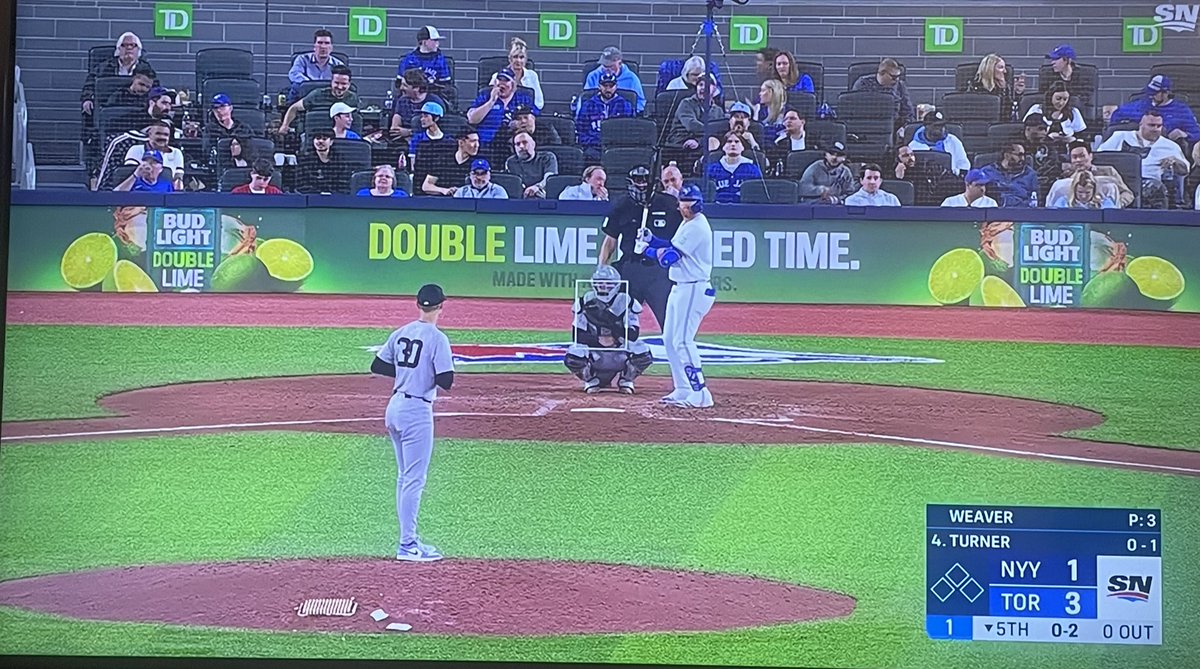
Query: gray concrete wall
[(54, 35)]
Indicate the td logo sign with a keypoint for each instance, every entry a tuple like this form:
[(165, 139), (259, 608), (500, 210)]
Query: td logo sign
[(556, 30), (1141, 36), (944, 35), (747, 33), (368, 24), (172, 19)]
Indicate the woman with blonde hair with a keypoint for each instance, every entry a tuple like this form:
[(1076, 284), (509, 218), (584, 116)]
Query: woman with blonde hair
[(991, 78), (518, 57), (1084, 193), (772, 102), (384, 184)]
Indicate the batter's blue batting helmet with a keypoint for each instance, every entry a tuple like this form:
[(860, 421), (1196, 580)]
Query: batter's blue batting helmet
[(691, 193)]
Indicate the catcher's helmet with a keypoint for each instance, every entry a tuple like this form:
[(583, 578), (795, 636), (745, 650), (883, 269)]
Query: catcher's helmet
[(691, 193), (605, 281), (639, 184)]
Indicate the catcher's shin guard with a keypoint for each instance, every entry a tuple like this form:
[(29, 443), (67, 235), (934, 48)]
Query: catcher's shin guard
[(578, 361), (635, 365)]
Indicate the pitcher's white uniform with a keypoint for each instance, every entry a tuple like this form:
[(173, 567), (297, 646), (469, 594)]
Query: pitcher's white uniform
[(690, 300)]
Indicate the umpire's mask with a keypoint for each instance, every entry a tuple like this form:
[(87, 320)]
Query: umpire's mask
[(639, 184)]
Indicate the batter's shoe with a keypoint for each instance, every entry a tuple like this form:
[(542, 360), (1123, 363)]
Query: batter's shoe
[(698, 399), (626, 387), (675, 397), (418, 552), (591, 387)]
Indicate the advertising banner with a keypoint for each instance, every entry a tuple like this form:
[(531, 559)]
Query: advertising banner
[(389, 251)]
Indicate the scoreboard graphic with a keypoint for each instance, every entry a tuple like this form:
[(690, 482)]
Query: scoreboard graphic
[(1023, 573)]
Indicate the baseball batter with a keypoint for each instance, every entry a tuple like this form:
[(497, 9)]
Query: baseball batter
[(606, 344), (688, 255), (418, 356)]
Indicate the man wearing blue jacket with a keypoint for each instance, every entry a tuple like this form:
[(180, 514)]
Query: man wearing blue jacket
[(1178, 119), (428, 58), (1012, 180), (610, 61), (604, 104)]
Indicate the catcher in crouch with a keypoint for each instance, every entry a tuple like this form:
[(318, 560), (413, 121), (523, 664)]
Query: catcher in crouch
[(606, 346)]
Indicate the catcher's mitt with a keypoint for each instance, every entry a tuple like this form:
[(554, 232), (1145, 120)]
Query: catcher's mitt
[(604, 321)]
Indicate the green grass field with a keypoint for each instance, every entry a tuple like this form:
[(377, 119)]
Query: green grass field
[(848, 517)]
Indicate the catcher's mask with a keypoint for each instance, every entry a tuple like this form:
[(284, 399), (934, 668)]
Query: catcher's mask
[(639, 184), (605, 282)]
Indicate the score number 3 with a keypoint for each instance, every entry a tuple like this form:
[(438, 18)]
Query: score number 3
[(409, 352), (1072, 608)]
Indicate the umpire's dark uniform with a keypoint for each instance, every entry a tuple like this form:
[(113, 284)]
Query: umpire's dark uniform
[(648, 283)]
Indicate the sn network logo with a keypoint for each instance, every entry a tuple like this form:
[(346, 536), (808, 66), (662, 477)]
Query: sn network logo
[(1179, 18)]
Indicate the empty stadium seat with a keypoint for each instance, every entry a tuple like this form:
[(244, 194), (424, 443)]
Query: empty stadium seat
[(770, 191), (1129, 165), (798, 161), (903, 190), (511, 184), (570, 158), (637, 132), (556, 184), (622, 159), (222, 62), (241, 92)]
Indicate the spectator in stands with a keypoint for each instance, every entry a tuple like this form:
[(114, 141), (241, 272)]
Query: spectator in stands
[(1164, 166), (317, 169), (1062, 62), (342, 116), (523, 120), (688, 125), (693, 70), (414, 93), (932, 136), (871, 194), (145, 177), (158, 138), (592, 188), (932, 183), (975, 194), (444, 169), (518, 57), (739, 122), (492, 110), (1063, 119), (732, 170), (1105, 175), (430, 131), (260, 180), (887, 80), (532, 166), (1085, 192), (611, 61), (1178, 120), (828, 181), (1049, 158), (672, 179), (604, 104), (792, 138), (241, 150), (223, 125), (315, 66), (992, 79), (1013, 180), (384, 184), (428, 57), (764, 63), (772, 103), (127, 58), (134, 95), (322, 99), (788, 73), (1193, 179), (480, 186), (160, 104)]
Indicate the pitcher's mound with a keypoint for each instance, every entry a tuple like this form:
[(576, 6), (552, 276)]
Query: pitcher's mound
[(454, 596)]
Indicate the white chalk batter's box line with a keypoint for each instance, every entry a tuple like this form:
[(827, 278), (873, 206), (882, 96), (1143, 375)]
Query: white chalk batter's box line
[(784, 423)]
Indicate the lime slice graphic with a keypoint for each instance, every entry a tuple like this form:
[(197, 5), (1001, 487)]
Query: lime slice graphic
[(285, 259), (1155, 277), (88, 260), (997, 293), (955, 276), (1111, 290), (129, 278), (242, 273)]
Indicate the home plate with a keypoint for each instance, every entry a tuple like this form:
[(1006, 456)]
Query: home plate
[(597, 410)]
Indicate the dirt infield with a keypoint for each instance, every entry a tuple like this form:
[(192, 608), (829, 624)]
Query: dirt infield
[(551, 408), (1067, 326), (454, 596)]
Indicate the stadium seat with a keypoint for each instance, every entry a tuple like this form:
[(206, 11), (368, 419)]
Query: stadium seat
[(1185, 77), (707, 188), (242, 92), (856, 70), (825, 132), (223, 62), (355, 154), (964, 73), (865, 105), (556, 184), (1002, 133), (817, 72), (798, 161), (489, 65), (570, 158), (622, 159), (563, 124), (665, 105), (638, 132), (1085, 74), (936, 157), (804, 102), (903, 190), (366, 179), (1128, 165), (975, 111), (770, 191), (98, 55), (617, 185), (236, 176), (1030, 99), (511, 184), (1117, 127), (982, 159), (106, 86), (122, 172)]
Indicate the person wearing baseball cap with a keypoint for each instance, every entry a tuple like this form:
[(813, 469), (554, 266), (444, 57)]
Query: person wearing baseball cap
[(604, 104), (343, 117), (429, 59), (1178, 119), (224, 125), (419, 360), (492, 110), (524, 120), (612, 61), (430, 114), (479, 184), (828, 181), (932, 136), (145, 177), (1063, 68), (975, 193)]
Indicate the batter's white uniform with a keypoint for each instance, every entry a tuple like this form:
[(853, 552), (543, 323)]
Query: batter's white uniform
[(690, 300)]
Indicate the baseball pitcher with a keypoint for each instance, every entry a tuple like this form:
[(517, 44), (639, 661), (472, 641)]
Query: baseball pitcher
[(606, 345)]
